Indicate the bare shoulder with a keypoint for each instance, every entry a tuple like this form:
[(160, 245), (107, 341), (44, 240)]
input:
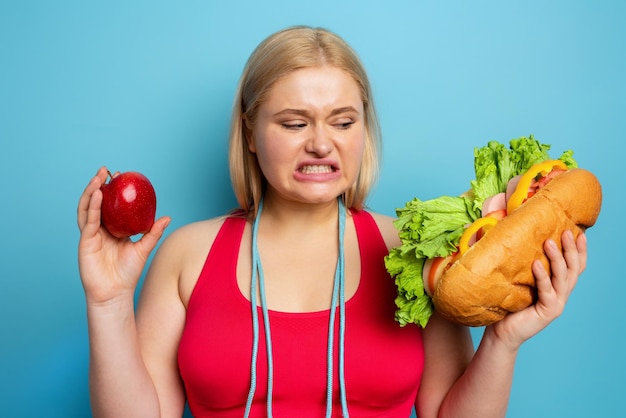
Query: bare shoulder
[(387, 229), (193, 234), (182, 253), (192, 240)]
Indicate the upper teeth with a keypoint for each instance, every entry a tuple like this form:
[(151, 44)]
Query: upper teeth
[(316, 169)]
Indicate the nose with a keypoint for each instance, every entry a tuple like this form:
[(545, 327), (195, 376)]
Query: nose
[(320, 142)]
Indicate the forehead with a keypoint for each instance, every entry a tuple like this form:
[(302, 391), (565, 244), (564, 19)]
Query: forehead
[(315, 87)]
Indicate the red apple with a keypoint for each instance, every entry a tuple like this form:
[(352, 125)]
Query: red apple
[(128, 204)]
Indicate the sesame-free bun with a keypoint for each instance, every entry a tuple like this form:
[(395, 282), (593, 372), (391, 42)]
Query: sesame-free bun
[(494, 276)]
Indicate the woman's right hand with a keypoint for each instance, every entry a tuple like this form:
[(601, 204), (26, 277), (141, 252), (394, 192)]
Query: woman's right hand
[(109, 267)]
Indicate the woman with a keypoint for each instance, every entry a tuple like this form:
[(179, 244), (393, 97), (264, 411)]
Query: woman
[(299, 269)]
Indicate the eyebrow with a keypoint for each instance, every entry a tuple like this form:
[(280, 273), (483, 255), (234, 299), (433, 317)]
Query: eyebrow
[(303, 112)]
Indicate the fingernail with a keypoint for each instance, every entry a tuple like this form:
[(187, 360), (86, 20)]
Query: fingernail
[(539, 266)]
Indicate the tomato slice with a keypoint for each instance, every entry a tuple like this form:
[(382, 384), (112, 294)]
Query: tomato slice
[(433, 269)]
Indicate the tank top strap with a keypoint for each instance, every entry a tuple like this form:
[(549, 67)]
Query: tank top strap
[(222, 257), (368, 232)]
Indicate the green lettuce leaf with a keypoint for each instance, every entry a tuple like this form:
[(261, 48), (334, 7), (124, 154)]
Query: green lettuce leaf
[(526, 152), (414, 305), (427, 229), (432, 228), (568, 158), (494, 166)]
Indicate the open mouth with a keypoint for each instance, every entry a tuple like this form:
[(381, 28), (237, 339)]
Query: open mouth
[(316, 169)]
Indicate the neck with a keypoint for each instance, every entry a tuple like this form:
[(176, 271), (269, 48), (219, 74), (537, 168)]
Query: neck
[(284, 214)]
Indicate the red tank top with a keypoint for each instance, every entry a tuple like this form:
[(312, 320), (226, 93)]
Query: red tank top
[(383, 361)]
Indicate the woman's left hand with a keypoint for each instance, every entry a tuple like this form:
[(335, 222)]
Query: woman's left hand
[(553, 292)]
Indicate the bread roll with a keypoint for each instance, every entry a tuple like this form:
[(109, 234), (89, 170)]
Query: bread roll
[(494, 276)]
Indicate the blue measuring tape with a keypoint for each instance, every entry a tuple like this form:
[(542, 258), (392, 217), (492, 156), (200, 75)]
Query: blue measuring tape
[(338, 301)]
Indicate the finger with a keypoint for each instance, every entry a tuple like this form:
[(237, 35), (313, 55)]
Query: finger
[(92, 224), (83, 203), (542, 278), (581, 246), (565, 265), (572, 258), (147, 242), (547, 306), (558, 266), (570, 250), (85, 199)]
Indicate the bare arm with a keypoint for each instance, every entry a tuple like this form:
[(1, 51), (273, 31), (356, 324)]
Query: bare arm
[(110, 268), (453, 386), (160, 322), (119, 382)]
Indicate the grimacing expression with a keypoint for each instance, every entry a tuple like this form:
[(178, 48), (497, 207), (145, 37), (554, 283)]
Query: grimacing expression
[(310, 134)]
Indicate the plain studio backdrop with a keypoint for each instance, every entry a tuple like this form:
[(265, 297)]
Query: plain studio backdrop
[(148, 86)]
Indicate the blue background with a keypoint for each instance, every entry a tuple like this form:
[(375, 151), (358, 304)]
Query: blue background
[(148, 86)]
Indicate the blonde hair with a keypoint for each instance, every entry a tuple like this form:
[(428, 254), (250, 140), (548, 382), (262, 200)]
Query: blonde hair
[(278, 55)]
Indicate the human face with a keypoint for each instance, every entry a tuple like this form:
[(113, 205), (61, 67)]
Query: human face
[(310, 134)]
